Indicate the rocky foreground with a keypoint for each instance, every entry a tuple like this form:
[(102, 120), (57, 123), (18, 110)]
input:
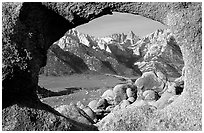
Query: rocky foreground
[(152, 90), (29, 29)]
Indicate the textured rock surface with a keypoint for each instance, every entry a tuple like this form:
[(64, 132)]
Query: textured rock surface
[(84, 115), (131, 99), (159, 51), (124, 39), (150, 81), (76, 52), (124, 104), (120, 93), (19, 117), (61, 62), (29, 29), (93, 104), (109, 95), (117, 53), (90, 113), (102, 104), (31, 119), (149, 95), (129, 92), (80, 105), (120, 47)]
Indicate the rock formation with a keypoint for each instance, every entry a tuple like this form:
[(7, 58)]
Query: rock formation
[(29, 29), (159, 51), (77, 53)]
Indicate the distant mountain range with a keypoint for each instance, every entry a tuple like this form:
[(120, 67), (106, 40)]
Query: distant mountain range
[(122, 54)]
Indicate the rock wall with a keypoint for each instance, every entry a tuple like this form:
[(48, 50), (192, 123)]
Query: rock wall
[(29, 29)]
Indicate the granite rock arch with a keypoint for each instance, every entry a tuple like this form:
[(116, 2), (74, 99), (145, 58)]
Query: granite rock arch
[(28, 29)]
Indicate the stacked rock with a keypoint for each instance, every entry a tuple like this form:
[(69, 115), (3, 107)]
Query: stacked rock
[(102, 104), (150, 81), (131, 94), (152, 88), (109, 96), (120, 93), (157, 90)]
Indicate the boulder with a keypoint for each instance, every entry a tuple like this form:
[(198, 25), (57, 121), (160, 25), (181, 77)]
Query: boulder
[(102, 104), (149, 81), (110, 108), (131, 99), (108, 95), (139, 103), (90, 113), (129, 92), (179, 85), (129, 81), (170, 87), (152, 103), (93, 104), (149, 95), (163, 100), (120, 93), (169, 92)]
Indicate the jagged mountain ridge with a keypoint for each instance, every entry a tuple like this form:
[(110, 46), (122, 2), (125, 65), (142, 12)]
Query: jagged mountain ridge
[(95, 53), (159, 51), (123, 54)]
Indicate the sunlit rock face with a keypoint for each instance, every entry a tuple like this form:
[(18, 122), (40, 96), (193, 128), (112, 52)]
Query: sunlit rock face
[(159, 51), (76, 52)]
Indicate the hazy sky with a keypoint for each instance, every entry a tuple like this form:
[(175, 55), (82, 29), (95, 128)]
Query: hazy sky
[(118, 23)]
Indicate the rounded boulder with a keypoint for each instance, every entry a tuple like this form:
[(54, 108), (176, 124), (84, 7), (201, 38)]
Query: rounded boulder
[(139, 103), (90, 112), (120, 93), (129, 92), (93, 104), (108, 94), (102, 104), (150, 81), (149, 95), (131, 99)]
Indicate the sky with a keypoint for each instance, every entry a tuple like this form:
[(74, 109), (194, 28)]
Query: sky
[(120, 23)]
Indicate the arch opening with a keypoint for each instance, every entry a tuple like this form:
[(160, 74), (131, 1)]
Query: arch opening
[(119, 44), (187, 16)]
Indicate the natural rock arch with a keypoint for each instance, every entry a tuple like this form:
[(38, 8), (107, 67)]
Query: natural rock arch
[(28, 29)]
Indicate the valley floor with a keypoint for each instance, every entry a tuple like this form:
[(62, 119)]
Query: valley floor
[(79, 87)]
